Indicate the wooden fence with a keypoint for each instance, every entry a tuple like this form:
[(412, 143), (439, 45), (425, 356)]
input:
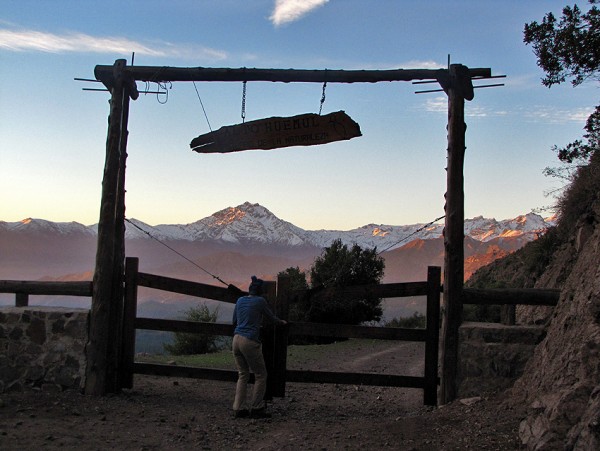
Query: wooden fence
[(23, 289), (275, 338)]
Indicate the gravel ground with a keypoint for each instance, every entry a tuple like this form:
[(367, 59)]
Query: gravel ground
[(167, 413)]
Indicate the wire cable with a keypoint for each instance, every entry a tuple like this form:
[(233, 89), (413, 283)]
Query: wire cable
[(202, 104), (178, 253), (414, 233)]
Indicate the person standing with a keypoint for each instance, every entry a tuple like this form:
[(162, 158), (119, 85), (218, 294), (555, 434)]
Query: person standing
[(247, 351)]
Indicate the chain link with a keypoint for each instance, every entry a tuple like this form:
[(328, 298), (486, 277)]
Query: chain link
[(244, 103), (322, 98)]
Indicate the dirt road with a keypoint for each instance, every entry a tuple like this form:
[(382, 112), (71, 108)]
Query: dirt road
[(166, 413)]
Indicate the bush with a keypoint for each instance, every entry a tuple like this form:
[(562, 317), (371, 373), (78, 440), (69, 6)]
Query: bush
[(187, 343), (579, 197), (416, 321)]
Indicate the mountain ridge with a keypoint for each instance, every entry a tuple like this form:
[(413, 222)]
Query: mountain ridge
[(253, 223), (237, 242)]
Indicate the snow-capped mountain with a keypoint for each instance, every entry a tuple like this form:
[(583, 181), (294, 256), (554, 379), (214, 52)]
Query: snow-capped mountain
[(31, 225), (254, 224), (242, 224)]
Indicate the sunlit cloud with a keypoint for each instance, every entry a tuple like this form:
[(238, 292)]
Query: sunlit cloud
[(287, 11), (542, 114), (437, 104), (37, 41), (422, 64), (553, 115)]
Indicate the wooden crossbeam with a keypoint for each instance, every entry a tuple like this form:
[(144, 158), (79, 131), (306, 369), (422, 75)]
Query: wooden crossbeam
[(171, 74)]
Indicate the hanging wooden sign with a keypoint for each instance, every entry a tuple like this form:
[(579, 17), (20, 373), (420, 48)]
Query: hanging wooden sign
[(303, 130)]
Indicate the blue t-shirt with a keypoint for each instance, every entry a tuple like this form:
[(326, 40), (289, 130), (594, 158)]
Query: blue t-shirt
[(247, 316)]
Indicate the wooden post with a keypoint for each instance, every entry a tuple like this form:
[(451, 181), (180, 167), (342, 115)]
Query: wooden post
[(21, 299), (458, 89), (129, 316), (103, 347), (281, 336), (268, 338), (508, 315), (433, 335)]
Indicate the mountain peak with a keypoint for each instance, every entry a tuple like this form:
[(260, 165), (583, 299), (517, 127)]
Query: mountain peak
[(228, 216), (251, 223)]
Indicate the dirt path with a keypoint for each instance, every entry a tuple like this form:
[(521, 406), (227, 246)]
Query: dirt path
[(166, 413)]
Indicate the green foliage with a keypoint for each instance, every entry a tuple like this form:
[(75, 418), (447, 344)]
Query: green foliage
[(188, 343), (340, 266), (299, 305), (539, 253), (416, 321), (577, 200), (570, 49)]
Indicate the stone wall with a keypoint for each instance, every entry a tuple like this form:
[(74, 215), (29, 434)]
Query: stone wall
[(42, 348), (492, 356)]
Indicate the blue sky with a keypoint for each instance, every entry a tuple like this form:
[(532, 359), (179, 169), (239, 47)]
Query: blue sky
[(53, 134)]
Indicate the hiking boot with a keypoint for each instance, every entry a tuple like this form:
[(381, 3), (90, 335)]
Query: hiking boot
[(243, 413), (259, 413)]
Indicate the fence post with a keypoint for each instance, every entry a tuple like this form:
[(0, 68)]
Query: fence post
[(268, 338), (281, 336), (129, 316), (508, 315), (21, 299), (433, 335)]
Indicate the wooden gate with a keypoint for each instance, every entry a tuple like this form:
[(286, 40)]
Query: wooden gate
[(275, 339)]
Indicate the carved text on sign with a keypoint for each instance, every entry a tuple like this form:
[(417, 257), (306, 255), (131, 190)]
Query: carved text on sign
[(303, 130)]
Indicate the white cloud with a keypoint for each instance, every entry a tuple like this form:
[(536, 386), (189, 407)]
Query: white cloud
[(37, 41), (542, 114), (422, 64), (554, 115), (291, 10), (437, 105)]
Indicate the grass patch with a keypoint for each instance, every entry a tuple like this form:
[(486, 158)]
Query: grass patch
[(298, 355)]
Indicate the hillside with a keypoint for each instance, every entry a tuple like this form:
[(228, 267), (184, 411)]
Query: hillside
[(561, 383)]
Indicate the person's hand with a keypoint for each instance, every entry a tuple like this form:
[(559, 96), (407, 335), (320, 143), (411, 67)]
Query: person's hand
[(282, 322)]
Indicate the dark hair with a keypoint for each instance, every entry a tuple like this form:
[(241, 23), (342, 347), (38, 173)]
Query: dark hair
[(255, 286)]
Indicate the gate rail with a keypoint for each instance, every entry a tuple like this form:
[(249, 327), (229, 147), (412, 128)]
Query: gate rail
[(275, 339)]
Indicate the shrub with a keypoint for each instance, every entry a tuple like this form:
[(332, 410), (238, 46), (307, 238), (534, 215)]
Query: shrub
[(188, 343), (416, 321), (578, 198)]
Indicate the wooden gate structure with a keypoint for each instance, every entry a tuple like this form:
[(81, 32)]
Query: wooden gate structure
[(104, 345), (275, 338)]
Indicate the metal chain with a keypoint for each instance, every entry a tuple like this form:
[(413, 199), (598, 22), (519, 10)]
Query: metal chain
[(322, 98), (244, 103)]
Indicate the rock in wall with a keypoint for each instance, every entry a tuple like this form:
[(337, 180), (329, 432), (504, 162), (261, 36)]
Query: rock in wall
[(493, 355), (42, 347), (561, 382)]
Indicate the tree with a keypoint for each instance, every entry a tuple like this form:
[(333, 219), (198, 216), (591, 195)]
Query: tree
[(187, 343), (299, 305), (570, 49), (339, 266)]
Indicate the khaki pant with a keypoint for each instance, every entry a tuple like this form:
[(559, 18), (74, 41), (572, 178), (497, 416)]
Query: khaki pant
[(249, 358)]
